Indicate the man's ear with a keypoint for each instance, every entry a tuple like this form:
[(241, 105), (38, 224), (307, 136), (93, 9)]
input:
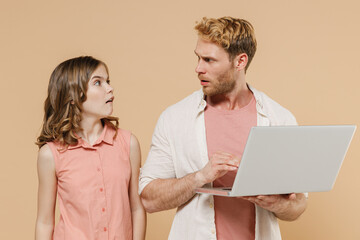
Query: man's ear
[(241, 61)]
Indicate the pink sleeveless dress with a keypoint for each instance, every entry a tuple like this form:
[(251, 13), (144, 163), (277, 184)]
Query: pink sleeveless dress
[(92, 188)]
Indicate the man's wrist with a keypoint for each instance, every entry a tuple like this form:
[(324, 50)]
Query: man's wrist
[(199, 179)]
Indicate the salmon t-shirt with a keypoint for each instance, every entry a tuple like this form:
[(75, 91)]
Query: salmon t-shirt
[(227, 131)]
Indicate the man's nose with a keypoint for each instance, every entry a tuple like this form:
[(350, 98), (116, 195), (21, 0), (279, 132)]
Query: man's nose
[(199, 68)]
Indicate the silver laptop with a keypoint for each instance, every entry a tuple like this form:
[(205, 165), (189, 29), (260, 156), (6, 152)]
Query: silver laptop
[(289, 159)]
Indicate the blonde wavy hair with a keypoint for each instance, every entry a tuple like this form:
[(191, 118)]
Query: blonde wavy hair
[(66, 92), (234, 35)]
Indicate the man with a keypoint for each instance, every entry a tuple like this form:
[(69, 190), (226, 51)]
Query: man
[(200, 140)]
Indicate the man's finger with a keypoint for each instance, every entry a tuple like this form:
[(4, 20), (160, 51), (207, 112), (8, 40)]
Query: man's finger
[(292, 196)]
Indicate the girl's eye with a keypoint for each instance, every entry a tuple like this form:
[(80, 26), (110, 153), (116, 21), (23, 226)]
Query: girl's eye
[(97, 83), (108, 81)]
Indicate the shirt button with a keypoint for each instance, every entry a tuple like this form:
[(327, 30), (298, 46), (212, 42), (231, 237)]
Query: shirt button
[(98, 169), (105, 229), (103, 209), (101, 189)]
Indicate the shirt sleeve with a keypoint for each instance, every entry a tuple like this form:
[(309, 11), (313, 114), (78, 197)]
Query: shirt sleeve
[(159, 163)]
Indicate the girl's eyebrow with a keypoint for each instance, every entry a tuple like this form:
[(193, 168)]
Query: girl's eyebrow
[(100, 77)]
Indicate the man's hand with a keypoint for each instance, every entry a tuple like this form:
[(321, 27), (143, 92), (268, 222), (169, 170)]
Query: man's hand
[(219, 164), (163, 194), (285, 206)]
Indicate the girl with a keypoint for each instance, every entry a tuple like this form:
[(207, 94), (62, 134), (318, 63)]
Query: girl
[(85, 159)]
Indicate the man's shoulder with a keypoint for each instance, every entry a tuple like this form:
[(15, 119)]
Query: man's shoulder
[(274, 110), (188, 104), (274, 105)]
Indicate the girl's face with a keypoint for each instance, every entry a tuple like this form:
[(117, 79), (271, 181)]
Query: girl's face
[(99, 95)]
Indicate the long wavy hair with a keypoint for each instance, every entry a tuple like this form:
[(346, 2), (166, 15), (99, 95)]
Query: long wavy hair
[(63, 106)]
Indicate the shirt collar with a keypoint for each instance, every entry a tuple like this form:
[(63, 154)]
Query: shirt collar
[(202, 101), (259, 102), (106, 136)]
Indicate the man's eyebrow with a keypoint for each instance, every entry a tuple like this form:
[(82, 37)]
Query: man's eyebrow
[(204, 56)]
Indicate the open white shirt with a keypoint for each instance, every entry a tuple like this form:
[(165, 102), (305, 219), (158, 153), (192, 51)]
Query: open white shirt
[(179, 148)]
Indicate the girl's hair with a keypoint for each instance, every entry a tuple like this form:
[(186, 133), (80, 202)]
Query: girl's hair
[(66, 92)]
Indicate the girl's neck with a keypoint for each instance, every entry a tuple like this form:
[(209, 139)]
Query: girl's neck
[(91, 130)]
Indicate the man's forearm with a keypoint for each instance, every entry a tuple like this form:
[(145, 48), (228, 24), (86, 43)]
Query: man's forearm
[(295, 208), (164, 194)]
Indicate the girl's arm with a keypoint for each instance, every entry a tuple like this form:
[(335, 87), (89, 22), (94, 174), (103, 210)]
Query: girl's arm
[(46, 194), (137, 210)]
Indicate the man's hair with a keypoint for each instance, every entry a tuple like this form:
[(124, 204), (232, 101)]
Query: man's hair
[(236, 36), (63, 106)]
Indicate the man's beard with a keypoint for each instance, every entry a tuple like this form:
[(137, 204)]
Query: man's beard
[(226, 85)]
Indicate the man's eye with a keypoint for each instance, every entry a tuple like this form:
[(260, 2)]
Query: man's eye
[(207, 59)]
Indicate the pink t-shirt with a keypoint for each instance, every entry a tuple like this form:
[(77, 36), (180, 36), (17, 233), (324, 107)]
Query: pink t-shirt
[(93, 183), (227, 131)]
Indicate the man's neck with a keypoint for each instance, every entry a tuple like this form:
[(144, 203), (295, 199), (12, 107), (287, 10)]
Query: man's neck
[(238, 98)]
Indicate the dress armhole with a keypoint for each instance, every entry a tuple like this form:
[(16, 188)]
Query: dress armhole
[(124, 137)]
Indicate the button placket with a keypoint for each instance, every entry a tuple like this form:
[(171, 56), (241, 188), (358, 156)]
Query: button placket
[(101, 175), (103, 221)]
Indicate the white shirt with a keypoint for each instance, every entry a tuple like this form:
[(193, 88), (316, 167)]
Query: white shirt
[(179, 148)]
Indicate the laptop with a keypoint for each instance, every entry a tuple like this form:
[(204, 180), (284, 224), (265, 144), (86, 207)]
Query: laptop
[(289, 159)]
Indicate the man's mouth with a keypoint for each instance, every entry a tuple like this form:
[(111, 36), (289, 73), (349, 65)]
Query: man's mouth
[(204, 82)]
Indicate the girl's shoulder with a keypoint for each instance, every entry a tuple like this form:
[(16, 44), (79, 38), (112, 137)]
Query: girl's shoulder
[(46, 158), (123, 135), (45, 152)]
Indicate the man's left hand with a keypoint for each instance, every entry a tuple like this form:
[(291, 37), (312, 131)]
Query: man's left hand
[(285, 206)]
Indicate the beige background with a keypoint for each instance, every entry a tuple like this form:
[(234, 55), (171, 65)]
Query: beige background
[(307, 60)]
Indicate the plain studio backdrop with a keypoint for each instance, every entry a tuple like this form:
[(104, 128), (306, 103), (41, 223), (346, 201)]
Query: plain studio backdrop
[(307, 60)]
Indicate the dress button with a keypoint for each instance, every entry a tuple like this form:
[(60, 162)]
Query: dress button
[(101, 189), (211, 205), (213, 231), (105, 229)]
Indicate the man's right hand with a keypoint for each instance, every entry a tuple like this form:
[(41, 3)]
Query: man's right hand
[(163, 194), (219, 164)]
